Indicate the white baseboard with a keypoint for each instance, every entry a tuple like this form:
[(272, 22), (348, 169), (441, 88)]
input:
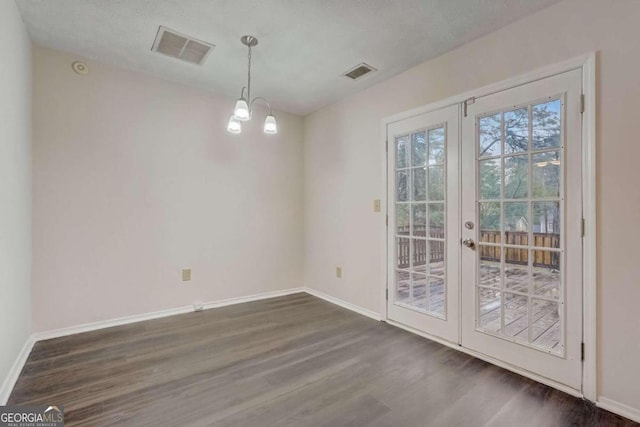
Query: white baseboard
[(93, 326), (256, 297), (14, 372), (56, 333), (343, 304), (619, 408)]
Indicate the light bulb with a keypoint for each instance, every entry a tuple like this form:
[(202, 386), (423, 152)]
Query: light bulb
[(270, 125), (241, 110), (234, 126)]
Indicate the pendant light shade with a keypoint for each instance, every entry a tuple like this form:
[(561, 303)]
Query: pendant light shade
[(234, 126), (241, 110), (270, 124), (244, 105)]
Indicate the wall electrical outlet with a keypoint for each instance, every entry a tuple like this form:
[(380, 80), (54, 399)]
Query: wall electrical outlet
[(198, 306), (376, 205), (339, 272), (186, 274)]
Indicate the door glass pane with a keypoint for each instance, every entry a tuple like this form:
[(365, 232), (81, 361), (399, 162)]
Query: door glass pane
[(436, 145), (420, 255), (419, 149), (436, 257), (490, 219), (419, 184), (402, 219), (436, 295), (547, 224), (516, 220), (489, 307), (516, 270), (516, 131), (403, 254), (546, 174), (546, 274), (516, 320), (402, 152), (490, 178), (419, 283), (436, 183), (516, 177), (436, 220), (546, 328), (403, 287), (546, 125), (489, 270), (419, 219), (490, 138), (402, 186), (519, 283)]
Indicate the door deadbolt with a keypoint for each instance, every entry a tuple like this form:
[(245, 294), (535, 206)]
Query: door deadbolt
[(469, 225)]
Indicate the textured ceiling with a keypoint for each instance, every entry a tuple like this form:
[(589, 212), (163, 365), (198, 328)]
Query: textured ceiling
[(305, 45)]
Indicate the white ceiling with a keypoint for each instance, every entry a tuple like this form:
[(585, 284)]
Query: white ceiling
[(305, 45)]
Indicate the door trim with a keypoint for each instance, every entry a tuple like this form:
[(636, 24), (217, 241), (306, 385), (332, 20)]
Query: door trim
[(587, 63)]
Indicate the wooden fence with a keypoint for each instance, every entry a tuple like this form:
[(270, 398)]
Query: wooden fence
[(541, 258), (421, 250)]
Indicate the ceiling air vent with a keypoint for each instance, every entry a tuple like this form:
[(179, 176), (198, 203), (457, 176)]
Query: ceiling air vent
[(176, 45), (359, 71)]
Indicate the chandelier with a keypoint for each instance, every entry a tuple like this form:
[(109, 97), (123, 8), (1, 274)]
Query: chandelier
[(244, 106)]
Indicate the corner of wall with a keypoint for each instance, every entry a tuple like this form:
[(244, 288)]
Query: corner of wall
[(16, 190)]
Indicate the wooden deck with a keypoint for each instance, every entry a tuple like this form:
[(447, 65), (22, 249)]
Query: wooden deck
[(435, 282), (523, 308), (544, 293), (545, 320)]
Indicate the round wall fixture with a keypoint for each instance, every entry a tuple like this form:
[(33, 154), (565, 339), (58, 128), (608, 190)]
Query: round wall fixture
[(80, 68)]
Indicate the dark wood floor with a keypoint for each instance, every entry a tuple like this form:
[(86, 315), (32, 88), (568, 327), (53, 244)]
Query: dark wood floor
[(290, 361)]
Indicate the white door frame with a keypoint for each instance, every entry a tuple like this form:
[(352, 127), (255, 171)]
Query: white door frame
[(587, 63)]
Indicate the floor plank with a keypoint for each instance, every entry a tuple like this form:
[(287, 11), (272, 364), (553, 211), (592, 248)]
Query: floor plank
[(289, 361)]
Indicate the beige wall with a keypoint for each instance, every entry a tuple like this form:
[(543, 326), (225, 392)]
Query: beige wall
[(135, 178), (343, 164), (15, 187)]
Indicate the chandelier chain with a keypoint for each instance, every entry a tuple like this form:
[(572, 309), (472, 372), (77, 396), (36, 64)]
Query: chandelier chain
[(249, 76)]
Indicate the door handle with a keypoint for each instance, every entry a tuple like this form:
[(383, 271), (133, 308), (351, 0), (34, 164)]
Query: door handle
[(469, 243)]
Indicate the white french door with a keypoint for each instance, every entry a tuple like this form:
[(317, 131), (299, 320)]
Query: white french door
[(485, 225), (521, 198), (423, 209)]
